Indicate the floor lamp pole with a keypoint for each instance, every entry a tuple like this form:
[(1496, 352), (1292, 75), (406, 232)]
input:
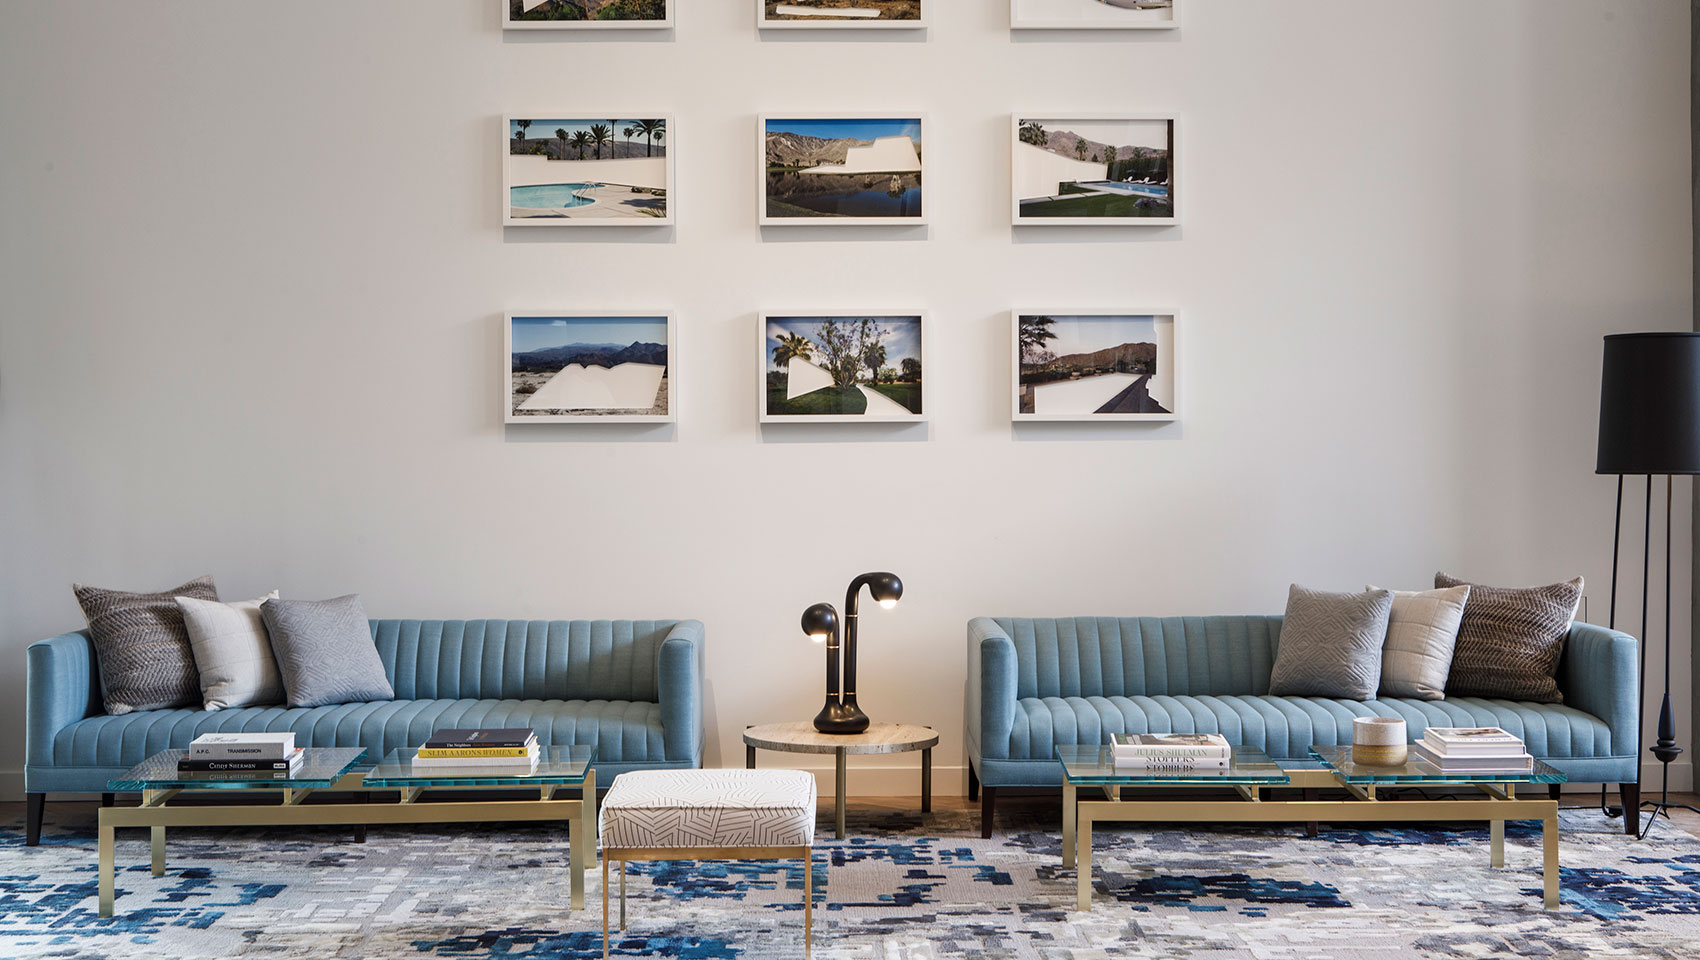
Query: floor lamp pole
[(1664, 749)]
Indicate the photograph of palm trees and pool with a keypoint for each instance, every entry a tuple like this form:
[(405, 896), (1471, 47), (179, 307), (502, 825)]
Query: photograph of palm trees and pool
[(1095, 14), (604, 172), (1094, 171), (581, 13), (842, 13), (1094, 366), (567, 367), (845, 367), (852, 170)]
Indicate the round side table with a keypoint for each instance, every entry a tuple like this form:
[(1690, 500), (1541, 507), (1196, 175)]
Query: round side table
[(878, 738)]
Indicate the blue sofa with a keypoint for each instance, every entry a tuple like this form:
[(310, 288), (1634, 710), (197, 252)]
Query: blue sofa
[(1036, 683), (631, 687)]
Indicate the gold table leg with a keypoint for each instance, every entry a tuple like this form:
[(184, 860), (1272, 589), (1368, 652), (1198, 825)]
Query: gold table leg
[(1549, 860), (1496, 831), (583, 838), (106, 866), (1083, 863), (1069, 814), (152, 798)]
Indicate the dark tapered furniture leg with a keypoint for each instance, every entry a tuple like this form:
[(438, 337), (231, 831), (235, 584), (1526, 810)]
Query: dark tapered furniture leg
[(988, 809), (1630, 793), (108, 799), (1312, 795), (360, 828), (32, 821), (973, 785), (1553, 791)]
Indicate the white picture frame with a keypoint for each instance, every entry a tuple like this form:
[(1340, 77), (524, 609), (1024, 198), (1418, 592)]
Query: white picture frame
[(619, 191), (826, 21), (860, 186), (510, 23), (901, 399), (1092, 184), (599, 390), (1091, 15), (1077, 389)]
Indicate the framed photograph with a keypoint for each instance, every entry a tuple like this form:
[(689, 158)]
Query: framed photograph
[(605, 367), (587, 14), (852, 169), (853, 14), (589, 171), (843, 368), (1093, 14), (1093, 171), (1094, 366)]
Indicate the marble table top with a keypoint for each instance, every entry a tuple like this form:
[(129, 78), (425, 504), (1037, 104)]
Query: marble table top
[(802, 737)]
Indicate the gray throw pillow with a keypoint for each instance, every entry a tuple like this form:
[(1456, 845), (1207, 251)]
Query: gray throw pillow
[(1330, 644), (142, 647), (325, 652), (1510, 640), (1420, 637)]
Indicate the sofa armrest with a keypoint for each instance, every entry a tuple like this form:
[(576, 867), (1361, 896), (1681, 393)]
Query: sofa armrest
[(990, 697), (1599, 674), (59, 690), (679, 688)]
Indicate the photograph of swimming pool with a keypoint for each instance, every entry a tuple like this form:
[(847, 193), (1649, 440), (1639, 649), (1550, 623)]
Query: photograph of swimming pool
[(1093, 14), (905, 14), (567, 367), (585, 14), (1093, 171), (842, 368), (1094, 366), (586, 172), (841, 169)]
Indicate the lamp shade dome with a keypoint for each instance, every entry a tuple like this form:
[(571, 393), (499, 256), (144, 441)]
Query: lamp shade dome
[(1650, 404)]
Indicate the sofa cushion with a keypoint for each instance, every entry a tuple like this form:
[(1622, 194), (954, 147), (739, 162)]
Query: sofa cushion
[(1287, 727), (142, 647)]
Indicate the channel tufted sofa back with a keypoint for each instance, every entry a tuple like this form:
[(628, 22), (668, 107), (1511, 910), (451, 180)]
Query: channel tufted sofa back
[(1142, 656), (522, 659)]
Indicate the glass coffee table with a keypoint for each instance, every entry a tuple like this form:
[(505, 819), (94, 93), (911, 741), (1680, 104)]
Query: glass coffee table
[(1251, 771), (338, 769)]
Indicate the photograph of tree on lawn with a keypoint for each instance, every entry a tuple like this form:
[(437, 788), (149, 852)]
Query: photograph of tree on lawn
[(1094, 171), (851, 367), (1094, 366), (570, 13), (841, 13)]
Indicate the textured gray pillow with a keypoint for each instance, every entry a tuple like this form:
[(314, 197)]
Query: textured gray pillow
[(1420, 637), (142, 647), (1511, 639), (325, 652), (1330, 644)]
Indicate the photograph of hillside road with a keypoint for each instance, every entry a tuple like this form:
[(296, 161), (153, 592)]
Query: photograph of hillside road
[(1095, 366), (1093, 171), (601, 172), (1093, 14), (586, 13), (851, 170), (853, 368), (842, 12), (565, 368)]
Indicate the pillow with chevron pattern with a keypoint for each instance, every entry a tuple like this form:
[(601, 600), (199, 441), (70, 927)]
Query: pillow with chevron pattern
[(1510, 640), (142, 646)]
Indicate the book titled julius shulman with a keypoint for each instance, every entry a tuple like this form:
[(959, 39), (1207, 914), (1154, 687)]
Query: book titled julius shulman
[(1198, 746)]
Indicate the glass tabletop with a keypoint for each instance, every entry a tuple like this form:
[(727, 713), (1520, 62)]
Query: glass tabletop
[(556, 766), (1096, 765), (1339, 759), (320, 767)]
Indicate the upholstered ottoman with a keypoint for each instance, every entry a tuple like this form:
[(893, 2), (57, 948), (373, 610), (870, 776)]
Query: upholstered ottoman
[(709, 815)]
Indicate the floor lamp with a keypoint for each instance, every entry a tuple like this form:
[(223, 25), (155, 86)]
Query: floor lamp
[(1650, 426)]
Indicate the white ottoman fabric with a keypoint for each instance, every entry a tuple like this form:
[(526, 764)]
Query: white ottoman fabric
[(709, 808)]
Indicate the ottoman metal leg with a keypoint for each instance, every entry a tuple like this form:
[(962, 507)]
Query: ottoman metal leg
[(809, 903), (605, 859)]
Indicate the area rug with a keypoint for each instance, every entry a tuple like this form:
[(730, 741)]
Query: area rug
[(902, 888)]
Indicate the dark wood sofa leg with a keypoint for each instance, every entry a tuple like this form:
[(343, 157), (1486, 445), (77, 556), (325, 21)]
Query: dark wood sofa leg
[(1630, 794), (35, 804), (1311, 795), (108, 799), (973, 785), (988, 810), (1553, 791)]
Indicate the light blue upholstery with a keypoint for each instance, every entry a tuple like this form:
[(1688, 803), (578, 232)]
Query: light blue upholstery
[(631, 687), (1034, 684)]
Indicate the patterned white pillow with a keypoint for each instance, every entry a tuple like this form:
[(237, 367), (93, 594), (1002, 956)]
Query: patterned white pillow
[(232, 652), (1420, 636)]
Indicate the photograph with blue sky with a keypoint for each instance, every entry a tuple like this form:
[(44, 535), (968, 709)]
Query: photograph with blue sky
[(861, 169), (848, 129), (539, 333), (569, 367), (857, 366), (1095, 365)]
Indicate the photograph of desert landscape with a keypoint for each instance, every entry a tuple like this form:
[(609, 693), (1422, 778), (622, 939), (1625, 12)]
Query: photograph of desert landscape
[(1086, 367), (842, 12), (1086, 171), (586, 171), (854, 169), (566, 13), (564, 368), (1093, 14), (841, 367)]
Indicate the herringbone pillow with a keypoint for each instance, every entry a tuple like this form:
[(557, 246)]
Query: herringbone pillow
[(142, 647), (1330, 644), (1510, 640), (325, 651)]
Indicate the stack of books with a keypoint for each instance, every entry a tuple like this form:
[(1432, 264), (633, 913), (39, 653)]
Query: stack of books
[(241, 756), (1170, 751), (1473, 749), (508, 750)]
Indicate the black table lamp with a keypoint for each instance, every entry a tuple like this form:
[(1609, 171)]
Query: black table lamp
[(820, 622), (1650, 425)]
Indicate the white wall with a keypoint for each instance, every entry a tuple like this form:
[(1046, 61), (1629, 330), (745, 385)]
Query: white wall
[(253, 272)]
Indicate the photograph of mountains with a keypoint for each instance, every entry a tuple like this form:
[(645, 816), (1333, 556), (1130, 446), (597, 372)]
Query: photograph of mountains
[(548, 11), (841, 11), (863, 169), (1093, 170), (1085, 367), (572, 367)]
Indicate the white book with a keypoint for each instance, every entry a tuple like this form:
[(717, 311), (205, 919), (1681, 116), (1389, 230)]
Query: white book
[(1181, 764), (1471, 741), (1208, 745), (1474, 763), (243, 746)]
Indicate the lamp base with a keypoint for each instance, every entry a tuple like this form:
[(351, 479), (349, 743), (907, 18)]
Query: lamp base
[(838, 718)]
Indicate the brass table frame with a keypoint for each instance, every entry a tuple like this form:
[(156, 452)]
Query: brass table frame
[(1498, 804), (580, 817), (623, 855)]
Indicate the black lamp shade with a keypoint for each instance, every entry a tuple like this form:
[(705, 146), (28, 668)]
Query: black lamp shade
[(1650, 404)]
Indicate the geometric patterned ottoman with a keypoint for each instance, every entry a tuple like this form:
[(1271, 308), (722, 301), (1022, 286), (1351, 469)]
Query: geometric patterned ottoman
[(709, 815)]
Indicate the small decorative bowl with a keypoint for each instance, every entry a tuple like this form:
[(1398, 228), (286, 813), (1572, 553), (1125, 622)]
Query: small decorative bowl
[(1379, 741)]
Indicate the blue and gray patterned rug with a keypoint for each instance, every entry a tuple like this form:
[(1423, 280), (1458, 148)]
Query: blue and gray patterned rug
[(902, 887)]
